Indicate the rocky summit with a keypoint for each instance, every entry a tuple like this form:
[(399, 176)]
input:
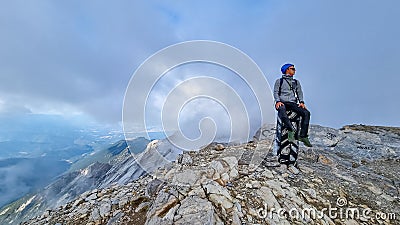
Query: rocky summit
[(350, 176)]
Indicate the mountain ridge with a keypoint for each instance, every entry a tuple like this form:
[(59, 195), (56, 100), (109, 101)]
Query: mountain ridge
[(231, 183)]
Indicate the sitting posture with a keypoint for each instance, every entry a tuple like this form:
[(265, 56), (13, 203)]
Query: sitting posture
[(289, 96)]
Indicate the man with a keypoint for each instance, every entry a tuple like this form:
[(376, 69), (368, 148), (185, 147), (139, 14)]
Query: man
[(289, 96)]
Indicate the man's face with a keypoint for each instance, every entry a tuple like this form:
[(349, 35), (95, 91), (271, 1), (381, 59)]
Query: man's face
[(291, 71)]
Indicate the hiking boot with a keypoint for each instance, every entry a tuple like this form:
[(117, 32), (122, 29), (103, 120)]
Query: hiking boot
[(305, 141), (291, 136)]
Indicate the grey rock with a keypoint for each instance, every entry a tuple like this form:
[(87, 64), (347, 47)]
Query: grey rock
[(221, 200), (163, 208), (91, 197), (123, 201), (276, 187), (268, 174), (153, 187), (218, 168), (187, 177), (235, 219), (268, 198), (255, 184), (233, 173), (214, 188), (95, 215), (195, 207), (105, 209), (197, 191), (82, 210), (232, 161), (185, 159), (115, 219)]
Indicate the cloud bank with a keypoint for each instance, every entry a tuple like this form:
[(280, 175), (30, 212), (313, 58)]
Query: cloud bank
[(77, 57)]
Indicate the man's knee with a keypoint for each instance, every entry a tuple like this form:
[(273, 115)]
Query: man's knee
[(282, 108), (303, 112), (282, 111)]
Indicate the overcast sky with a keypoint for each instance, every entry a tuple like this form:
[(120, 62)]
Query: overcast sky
[(77, 57)]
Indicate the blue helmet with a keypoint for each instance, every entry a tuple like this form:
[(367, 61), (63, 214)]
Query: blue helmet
[(285, 67)]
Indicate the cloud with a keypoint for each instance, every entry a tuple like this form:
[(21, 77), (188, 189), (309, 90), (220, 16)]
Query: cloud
[(192, 92), (12, 108), (21, 176), (77, 57)]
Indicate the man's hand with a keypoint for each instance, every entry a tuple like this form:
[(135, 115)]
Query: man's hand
[(278, 104), (301, 105)]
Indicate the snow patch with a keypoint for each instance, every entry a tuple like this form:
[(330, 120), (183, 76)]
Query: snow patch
[(106, 137), (4, 211), (85, 172), (23, 206)]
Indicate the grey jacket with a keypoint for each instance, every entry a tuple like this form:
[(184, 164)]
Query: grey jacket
[(288, 95)]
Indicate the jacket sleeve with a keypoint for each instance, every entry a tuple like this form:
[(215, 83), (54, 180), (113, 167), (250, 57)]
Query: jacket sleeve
[(276, 91), (300, 92)]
